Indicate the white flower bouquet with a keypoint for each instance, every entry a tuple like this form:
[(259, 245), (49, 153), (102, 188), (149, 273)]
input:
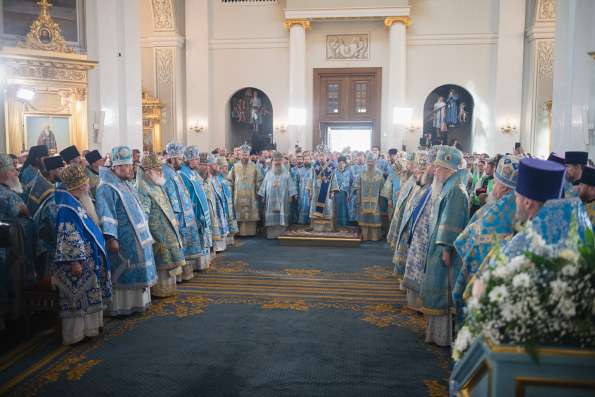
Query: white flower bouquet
[(544, 297)]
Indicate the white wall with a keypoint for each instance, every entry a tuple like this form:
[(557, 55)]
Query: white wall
[(114, 85), (248, 47), (316, 58), (453, 42), (450, 42), (574, 77)]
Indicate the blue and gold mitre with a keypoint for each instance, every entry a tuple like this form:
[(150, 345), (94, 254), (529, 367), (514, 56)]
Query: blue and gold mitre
[(507, 171), (449, 157), (321, 148), (191, 153), (73, 176), (245, 148), (174, 150), (121, 155)]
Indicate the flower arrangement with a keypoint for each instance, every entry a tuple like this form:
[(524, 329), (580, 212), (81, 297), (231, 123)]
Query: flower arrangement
[(544, 297)]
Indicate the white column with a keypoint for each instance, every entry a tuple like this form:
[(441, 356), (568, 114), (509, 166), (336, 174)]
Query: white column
[(573, 109), (198, 73), (509, 77), (397, 77), (115, 101), (297, 83)]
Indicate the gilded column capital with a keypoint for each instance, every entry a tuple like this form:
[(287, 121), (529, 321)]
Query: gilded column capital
[(305, 23), (388, 21)]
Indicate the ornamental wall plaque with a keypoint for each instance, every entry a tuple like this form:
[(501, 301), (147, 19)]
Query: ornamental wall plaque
[(347, 47), (45, 34)]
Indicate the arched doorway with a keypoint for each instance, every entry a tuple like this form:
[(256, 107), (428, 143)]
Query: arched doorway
[(448, 116), (251, 119)]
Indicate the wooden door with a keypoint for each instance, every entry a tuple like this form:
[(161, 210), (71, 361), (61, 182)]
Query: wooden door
[(346, 96)]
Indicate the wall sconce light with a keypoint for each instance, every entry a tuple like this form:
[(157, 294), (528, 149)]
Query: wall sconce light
[(196, 128), (414, 129), (508, 128), (281, 128)]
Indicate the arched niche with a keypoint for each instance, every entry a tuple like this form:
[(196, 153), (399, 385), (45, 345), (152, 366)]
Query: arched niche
[(448, 115), (250, 119)]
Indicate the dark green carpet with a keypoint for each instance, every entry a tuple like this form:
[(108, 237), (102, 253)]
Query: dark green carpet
[(266, 321)]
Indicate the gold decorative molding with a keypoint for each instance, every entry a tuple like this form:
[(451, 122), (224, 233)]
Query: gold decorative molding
[(45, 34), (35, 65), (388, 21), (305, 23)]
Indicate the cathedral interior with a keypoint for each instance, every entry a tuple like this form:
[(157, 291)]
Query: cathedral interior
[(284, 301)]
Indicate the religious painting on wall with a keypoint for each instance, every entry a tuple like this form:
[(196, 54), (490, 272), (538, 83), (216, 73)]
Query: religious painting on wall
[(347, 47), (53, 131), (251, 116), (448, 115), (18, 15)]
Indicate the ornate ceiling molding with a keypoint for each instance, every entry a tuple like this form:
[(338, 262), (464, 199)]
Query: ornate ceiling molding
[(452, 39), (376, 13), (23, 65), (169, 40), (244, 43)]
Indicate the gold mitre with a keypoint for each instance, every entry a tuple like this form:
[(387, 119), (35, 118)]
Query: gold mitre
[(73, 176), (151, 161)]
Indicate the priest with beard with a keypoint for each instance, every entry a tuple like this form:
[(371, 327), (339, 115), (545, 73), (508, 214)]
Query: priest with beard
[(204, 166), (81, 269), (71, 155), (230, 213), (179, 197), (92, 169), (246, 181), (12, 208), (368, 187), (277, 191), (392, 185), (42, 207), (323, 187), (575, 161), (492, 224), (539, 208), (129, 241), (344, 180), (402, 241), (405, 193), (33, 164), (163, 225), (218, 201), (303, 181), (416, 234), (448, 218), (586, 191), (200, 204)]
